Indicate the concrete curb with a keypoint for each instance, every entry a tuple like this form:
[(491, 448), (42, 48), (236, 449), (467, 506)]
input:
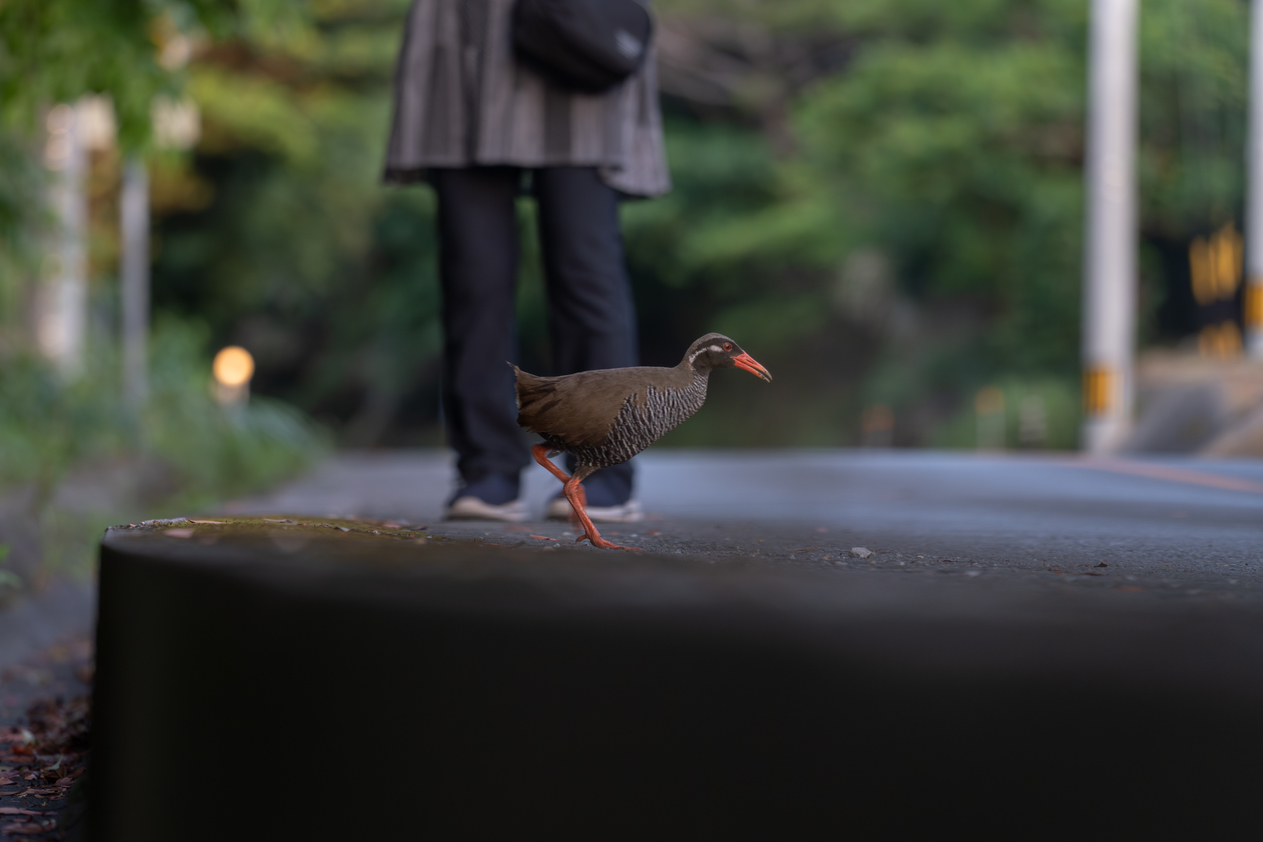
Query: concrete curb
[(473, 691)]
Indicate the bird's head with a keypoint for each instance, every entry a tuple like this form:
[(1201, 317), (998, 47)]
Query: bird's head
[(714, 350)]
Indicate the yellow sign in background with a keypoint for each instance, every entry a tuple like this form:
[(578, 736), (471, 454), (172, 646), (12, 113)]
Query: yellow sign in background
[(1215, 265)]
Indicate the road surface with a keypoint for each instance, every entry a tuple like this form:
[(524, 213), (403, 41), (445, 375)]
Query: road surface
[(1181, 526)]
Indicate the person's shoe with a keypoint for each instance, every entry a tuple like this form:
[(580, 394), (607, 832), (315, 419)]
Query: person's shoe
[(469, 507), (559, 508), (492, 497)]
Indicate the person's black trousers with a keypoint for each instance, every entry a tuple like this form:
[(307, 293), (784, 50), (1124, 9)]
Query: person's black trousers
[(593, 323)]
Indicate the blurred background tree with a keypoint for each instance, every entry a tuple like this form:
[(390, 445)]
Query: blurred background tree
[(73, 456), (881, 200)]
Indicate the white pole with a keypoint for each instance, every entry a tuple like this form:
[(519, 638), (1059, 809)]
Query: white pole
[(134, 245), (1254, 187), (62, 301), (1109, 293)]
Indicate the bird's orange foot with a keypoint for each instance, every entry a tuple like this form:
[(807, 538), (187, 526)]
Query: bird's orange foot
[(601, 543)]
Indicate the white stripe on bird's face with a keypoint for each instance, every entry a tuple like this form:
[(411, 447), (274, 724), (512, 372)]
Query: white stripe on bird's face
[(701, 351)]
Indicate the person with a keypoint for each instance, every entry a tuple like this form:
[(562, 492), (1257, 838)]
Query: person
[(480, 127)]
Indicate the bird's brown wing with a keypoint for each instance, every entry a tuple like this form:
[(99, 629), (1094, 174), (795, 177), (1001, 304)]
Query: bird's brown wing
[(577, 409)]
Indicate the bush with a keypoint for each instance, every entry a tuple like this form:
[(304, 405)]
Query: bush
[(74, 459)]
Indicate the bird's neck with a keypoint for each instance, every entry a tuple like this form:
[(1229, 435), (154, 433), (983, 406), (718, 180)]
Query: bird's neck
[(689, 373)]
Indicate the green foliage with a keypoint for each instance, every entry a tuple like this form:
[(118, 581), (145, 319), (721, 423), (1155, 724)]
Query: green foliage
[(951, 146), (960, 159), (906, 231), (49, 426), (183, 451), (302, 256), (213, 451), (58, 50)]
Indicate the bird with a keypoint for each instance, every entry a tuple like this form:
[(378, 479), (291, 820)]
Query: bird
[(607, 416)]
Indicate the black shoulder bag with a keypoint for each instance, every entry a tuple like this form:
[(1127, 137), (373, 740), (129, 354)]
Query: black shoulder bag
[(585, 45)]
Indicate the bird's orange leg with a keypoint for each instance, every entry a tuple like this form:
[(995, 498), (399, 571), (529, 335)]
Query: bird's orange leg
[(540, 452), (578, 501)]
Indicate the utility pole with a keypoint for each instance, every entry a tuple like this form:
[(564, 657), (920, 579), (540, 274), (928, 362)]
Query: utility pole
[(134, 292), (61, 309), (1253, 309), (1109, 282)]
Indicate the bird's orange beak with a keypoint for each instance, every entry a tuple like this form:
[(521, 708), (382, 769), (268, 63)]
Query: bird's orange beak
[(751, 365)]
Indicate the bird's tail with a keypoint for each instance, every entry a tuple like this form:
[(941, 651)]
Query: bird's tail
[(531, 390)]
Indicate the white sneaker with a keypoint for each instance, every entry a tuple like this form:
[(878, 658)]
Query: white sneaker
[(471, 508), (559, 508)]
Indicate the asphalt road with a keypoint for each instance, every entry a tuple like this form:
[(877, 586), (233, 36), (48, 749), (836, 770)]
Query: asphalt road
[(1179, 526)]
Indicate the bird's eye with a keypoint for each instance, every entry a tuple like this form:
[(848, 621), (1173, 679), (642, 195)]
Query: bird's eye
[(727, 346)]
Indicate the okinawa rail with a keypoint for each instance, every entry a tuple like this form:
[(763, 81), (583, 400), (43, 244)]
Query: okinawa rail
[(607, 416)]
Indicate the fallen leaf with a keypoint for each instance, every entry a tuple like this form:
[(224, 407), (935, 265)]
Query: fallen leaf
[(22, 828), (18, 811), (804, 549), (30, 827), (178, 533), (543, 538), (66, 781), (6, 781), (653, 532)]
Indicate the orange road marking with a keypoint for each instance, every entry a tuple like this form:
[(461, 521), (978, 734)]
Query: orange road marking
[(1165, 472)]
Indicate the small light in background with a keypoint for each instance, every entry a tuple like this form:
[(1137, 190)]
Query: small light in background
[(233, 368)]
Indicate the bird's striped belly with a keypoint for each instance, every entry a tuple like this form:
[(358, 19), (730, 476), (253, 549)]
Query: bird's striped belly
[(639, 425)]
